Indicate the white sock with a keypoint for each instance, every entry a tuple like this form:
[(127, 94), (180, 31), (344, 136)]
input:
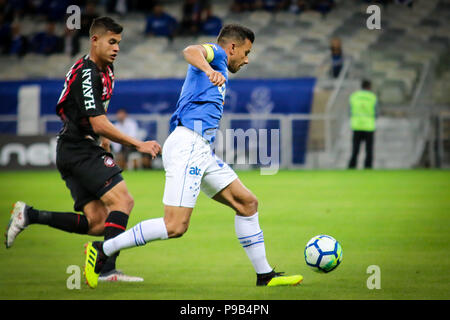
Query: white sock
[(140, 234), (252, 240)]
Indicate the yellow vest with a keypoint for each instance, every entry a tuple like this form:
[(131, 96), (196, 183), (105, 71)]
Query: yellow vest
[(362, 107)]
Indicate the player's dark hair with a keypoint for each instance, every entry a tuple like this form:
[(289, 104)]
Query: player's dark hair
[(366, 84), (104, 24), (236, 32)]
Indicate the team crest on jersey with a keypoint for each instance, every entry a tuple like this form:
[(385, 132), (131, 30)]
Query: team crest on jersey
[(109, 162)]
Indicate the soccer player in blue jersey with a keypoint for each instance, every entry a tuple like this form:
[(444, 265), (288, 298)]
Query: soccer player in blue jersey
[(191, 165)]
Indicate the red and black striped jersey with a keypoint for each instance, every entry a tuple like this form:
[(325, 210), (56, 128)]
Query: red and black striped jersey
[(86, 93)]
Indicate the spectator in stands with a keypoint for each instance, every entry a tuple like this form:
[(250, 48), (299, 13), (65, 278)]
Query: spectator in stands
[(87, 16), (141, 6), (337, 57), (211, 24), (191, 17), (7, 11), (120, 7), (130, 127), (363, 113), (407, 3), (298, 6), (71, 42), (243, 5), (160, 23), (53, 10), (273, 5), (19, 43), (46, 42), (5, 34), (323, 6)]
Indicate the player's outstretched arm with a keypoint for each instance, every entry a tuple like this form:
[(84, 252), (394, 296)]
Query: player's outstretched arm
[(196, 55), (102, 126)]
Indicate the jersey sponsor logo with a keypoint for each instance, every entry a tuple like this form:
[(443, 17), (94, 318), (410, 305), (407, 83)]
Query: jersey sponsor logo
[(89, 102), (195, 171)]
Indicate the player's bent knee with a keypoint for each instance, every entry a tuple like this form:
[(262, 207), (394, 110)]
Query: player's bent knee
[(249, 206), (129, 203), (176, 230), (96, 214), (123, 202), (176, 220), (253, 204)]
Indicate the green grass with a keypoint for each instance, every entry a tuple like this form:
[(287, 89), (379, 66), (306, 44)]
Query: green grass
[(398, 220)]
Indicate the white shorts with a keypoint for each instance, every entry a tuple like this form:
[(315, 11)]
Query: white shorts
[(191, 166)]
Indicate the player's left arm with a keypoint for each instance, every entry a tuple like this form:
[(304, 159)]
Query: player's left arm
[(198, 56)]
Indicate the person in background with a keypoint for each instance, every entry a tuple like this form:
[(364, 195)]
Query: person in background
[(191, 19), (130, 127), (71, 42), (323, 6), (19, 43), (298, 6), (87, 17), (5, 34), (7, 11), (211, 24), (273, 5), (337, 57), (243, 5), (160, 23), (46, 42), (363, 113), (53, 10)]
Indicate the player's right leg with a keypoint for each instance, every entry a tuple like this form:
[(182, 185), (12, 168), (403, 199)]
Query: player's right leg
[(247, 227)]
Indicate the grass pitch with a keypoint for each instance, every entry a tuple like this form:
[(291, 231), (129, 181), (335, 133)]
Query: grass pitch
[(397, 220)]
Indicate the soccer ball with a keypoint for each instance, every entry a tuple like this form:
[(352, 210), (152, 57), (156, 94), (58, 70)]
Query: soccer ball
[(323, 253)]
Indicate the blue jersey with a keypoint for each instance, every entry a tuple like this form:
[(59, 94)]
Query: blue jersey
[(200, 105)]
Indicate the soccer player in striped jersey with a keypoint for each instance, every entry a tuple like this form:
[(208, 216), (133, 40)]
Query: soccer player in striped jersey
[(88, 169)]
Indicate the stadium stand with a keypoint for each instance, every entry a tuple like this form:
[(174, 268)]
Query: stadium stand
[(412, 46), (291, 45)]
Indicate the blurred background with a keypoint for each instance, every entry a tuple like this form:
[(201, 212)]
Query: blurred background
[(307, 59)]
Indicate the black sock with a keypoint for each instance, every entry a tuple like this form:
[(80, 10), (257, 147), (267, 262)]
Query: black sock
[(115, 224), (66, 221)]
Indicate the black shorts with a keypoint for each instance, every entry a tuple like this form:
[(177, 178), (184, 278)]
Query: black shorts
[(88, 170)]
